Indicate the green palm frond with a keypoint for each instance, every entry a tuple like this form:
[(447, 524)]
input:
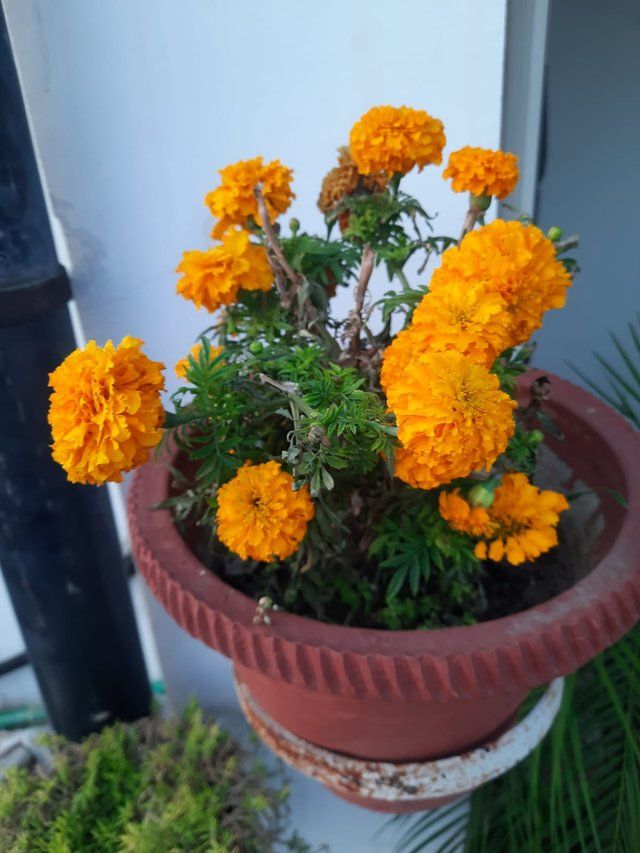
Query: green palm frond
[(622, 390), (578, 791)]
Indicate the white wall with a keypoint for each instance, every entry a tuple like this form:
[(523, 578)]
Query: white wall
[(136, 103)]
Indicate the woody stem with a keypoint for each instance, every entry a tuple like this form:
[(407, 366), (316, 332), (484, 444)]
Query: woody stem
[(355, 317), (275, 247), (470, 219)]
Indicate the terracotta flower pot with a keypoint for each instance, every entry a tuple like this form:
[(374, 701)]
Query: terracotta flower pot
[(402, 696)]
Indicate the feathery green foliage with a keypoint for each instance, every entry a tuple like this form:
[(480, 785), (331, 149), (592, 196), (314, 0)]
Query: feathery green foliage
[(424, 551), (147, 787)]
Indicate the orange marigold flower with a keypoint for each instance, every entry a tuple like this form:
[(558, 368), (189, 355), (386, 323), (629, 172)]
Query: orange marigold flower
[(105, 411), (233, 202), (259, 276), (212, 278), (451, 415), (411, 469), (473, 520), (482, 171), (524, 521), (260, 516), (183, 365), (461, 317), (395, 139), (514, 260), (344, 180)]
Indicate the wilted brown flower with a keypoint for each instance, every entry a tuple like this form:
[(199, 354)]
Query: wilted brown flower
[(344, 179)]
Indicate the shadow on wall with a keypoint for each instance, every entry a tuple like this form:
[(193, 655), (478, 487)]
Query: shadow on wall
[(591, 180)]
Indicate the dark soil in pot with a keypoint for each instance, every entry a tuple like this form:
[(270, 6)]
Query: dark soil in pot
[(504, 589)]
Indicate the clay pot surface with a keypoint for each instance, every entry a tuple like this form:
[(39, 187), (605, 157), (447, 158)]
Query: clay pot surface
[(415, 695)]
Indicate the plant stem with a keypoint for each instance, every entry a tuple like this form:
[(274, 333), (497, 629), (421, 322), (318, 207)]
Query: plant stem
[(290, 389), (286, 296), (354, 323), (470, 219), (403, 279), (571, 242)]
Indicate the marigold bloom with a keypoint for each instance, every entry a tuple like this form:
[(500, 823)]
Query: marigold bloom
[(182, 366), (514, 260), (451, 415), (412, 470), (105, 411), (344, 180), (259, 515), (482, 171), (524, 521), (473, 520), (259, 276), (212, 278), (461, 317), (233, 202), (395, 139)]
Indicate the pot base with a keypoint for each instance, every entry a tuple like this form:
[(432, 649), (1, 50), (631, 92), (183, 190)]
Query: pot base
[(406, 787)]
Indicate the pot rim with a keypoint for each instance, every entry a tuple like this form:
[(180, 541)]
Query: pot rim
[(513, 653)]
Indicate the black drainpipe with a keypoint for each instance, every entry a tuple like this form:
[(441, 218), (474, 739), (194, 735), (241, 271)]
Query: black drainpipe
[(59, 550)]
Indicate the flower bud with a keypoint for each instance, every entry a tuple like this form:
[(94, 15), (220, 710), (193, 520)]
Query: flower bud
[(483, 493), (479, 202), (554, 233), (294, 225), (536, 436), (255, 347)]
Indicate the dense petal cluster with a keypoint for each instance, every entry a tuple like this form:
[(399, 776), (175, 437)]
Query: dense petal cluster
[(522, 520), (182, 366), (395, 140), (260, 516), (515, 261), (233, 202), (473, 520), (258, 275), (460, 317), (452, 418), (211, 279), (482, 171), (344, 180), (105, 411)]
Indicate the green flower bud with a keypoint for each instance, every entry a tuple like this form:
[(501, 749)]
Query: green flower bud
[(481, 496), (536, 436), (483, 493), (255, 347), (479, 202), (294, 225), (554, 233)]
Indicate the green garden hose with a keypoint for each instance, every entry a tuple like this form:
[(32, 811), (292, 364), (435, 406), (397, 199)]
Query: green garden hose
[(23, 716)]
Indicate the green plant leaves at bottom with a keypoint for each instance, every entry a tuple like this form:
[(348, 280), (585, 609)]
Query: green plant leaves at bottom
[(578, 792)]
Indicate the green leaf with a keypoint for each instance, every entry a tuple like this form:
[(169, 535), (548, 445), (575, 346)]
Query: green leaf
[(176, 419), (396, 582), (618, 498), (415, 576), (327, 480)]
